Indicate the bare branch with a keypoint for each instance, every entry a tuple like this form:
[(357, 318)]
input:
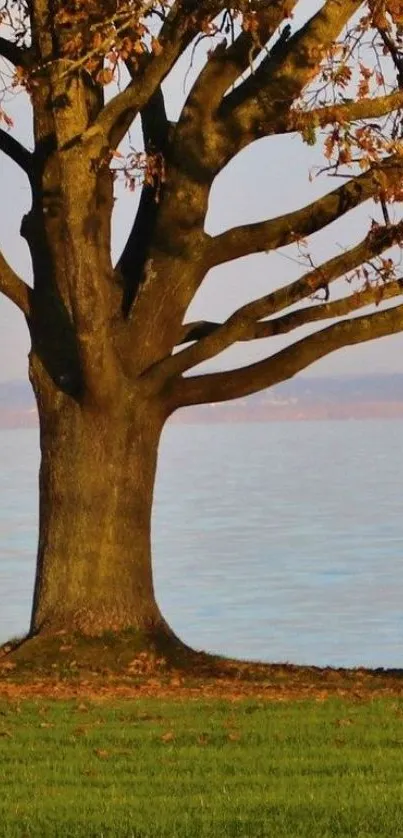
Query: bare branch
[(191, 332), (264, 236), (329, 311), (14, 287), (20, 155), (243, 323), (223, 386), (296, 319)]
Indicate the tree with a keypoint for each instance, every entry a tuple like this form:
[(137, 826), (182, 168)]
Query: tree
[(111, 354)]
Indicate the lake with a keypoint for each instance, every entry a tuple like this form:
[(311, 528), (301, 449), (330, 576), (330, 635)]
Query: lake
[(279, 542)]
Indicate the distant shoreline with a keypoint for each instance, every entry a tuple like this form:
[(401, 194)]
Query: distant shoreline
[(227, 414), (301, 399)]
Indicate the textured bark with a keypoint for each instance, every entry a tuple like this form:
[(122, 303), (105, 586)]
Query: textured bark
[(103, 361), (96, 487)]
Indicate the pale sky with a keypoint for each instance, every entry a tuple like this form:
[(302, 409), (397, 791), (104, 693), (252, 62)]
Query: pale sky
[(267, 179)]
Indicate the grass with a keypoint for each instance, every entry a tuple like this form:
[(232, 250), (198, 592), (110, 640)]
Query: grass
[(157, 768)]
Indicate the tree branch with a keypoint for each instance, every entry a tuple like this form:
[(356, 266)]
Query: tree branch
[(243, 323), (223, 386), (253, 108), (20, 155), (349, 112), (329, 311), (226, 64), (177, 32), (296, 319), (14, 287), (277, 232)]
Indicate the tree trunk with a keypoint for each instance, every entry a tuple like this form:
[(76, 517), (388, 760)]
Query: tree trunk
[(96, 487)]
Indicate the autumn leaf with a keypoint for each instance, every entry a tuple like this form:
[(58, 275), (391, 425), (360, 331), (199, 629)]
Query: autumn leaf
[(4, 117), (105, 76)]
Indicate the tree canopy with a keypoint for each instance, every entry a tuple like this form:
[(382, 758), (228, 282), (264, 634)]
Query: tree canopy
[(336, 80)]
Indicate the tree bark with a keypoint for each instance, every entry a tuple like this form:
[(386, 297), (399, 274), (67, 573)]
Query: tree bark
[(97, 477)]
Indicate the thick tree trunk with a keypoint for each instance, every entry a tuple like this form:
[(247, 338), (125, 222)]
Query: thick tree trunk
[(96, 487)]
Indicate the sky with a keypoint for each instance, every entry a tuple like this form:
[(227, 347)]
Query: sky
[(269, 178)]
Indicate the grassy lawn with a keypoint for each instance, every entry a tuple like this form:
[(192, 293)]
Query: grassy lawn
[(155, 767)]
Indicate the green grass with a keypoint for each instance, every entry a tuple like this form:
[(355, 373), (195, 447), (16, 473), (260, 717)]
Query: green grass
[(152, 768)]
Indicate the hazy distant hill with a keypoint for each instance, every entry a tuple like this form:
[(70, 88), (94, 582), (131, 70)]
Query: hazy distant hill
[(17, 405), (300, 398), (367, 388)]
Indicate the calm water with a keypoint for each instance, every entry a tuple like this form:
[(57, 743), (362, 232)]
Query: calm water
[(278, 541)]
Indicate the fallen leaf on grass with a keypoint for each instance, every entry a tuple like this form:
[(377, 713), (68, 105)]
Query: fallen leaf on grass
[(167, 737), (80, 731), (101, 753)]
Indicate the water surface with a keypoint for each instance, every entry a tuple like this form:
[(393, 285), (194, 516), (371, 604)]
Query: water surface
[(275, 542)]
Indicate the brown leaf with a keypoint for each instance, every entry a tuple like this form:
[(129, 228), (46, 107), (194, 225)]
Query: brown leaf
[(105, 76)]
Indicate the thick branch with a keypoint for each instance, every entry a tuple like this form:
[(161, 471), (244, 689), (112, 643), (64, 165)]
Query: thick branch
[(253, 109), (178, 31), (343, 113), (243, 323), (131, 101), (14, 287), (223, 386), (227, 63), (286, 229), (20, 155)]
